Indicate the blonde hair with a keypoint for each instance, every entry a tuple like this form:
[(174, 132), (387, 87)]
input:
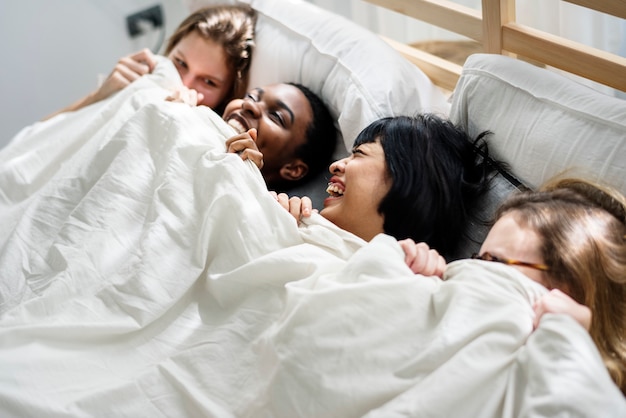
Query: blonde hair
[(233, 27), (582, 226)]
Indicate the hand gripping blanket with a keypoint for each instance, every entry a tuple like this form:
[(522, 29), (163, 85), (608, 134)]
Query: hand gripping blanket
[(146, 272)]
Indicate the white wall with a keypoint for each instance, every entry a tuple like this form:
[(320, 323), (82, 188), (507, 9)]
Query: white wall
[(54, 50)]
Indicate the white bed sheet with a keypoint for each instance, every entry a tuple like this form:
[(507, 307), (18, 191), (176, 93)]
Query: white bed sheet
[(144, 272)]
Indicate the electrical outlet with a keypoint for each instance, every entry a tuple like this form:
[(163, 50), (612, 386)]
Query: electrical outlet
[(153, 15)]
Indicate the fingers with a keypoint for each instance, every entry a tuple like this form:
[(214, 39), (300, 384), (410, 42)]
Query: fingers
[(131, 70), (244, 144), (255, 156), (127, 70), (240, 142), (184, 95), (421, 259), (146, 58), (306, 206), (133, 66), (557, 301), (298, 207), (283, 199)]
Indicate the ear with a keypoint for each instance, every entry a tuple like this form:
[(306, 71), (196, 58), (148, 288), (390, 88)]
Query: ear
[(294, 170)]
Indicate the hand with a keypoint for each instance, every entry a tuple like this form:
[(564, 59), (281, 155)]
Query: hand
[(558, 302), (298, 207), (127, 70), (421, 259), (185, 95), (245, 145)]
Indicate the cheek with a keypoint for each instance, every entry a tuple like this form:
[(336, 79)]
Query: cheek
[(271, 141), (379, 187), (210, 99), (232, 106)]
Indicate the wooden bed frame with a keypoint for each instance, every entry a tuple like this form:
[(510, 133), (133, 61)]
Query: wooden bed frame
[(498, 32)]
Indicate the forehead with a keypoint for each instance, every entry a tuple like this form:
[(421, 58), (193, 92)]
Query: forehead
[(203, 52), (511, 239), (373, 146), (287, 95)]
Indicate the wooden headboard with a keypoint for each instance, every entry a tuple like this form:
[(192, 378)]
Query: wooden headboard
[(499, 33)]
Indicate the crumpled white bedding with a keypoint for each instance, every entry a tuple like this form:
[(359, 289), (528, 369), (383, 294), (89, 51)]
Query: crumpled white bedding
[(144, 272)]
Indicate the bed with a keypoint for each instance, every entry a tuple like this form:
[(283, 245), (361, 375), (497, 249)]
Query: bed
[(144, 272)]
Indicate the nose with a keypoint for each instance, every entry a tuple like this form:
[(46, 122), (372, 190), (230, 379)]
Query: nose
[(252, 107), (187, 80), (338, 166)]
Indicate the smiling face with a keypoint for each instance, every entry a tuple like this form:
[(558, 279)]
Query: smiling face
[(281, 114), (203, 66), (358, 185), (510, 239)]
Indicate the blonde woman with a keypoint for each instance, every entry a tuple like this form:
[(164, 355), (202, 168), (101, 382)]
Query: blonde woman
[(211, 49), (571, 237)]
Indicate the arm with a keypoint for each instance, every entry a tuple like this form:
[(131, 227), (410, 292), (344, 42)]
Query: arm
[(558, 302), (127, 70)]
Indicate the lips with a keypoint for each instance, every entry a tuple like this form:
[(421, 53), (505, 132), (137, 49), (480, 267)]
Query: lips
[(238, 123)]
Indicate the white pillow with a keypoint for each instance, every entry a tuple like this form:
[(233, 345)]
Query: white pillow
[(360, 77), (543, 123)]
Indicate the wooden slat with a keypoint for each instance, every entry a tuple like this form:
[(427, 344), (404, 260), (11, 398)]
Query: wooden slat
[(441, 72), (573, 57), (503, 35), (442, 13), (612, 7), (496, 13)]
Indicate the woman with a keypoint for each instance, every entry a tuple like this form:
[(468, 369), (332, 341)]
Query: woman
[(410, 177), (287, 131), (211, 49), (571, 238)]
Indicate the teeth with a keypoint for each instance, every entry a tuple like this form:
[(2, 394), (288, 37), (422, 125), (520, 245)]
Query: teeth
[(334, 190), (237, 126)]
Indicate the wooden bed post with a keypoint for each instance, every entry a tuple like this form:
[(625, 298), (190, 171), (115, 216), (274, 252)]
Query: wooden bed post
[(496, 14), (499, 33)]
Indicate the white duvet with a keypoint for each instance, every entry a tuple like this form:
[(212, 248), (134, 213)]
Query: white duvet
[(146, 273)]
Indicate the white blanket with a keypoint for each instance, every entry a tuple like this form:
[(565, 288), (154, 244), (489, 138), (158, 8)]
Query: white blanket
[(145, 272)]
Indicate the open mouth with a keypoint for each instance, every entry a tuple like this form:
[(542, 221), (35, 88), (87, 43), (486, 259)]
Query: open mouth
[(237, 124), (334, 190)]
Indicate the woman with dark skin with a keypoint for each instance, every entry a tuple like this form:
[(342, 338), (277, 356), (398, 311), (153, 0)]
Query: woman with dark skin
[(286, 130)]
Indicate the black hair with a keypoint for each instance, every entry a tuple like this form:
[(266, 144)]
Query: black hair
[(321, 140), (438, 173)]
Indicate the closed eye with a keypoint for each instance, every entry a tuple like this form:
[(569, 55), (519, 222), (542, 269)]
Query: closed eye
[(278, 118), (251, 97), (180, 62), (357, 150)]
